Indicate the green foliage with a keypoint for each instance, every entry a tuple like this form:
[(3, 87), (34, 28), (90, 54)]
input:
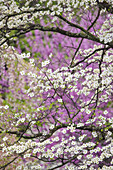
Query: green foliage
[(5, 102), (51, 105), (110, 103), (38, 123)]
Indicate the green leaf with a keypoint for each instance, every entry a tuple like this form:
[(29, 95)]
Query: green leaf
[(38, 123)]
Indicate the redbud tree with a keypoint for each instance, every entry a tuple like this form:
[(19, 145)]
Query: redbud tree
[(56, 82)]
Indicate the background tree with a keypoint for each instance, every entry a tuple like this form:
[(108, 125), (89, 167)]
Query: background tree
[(61, 112)]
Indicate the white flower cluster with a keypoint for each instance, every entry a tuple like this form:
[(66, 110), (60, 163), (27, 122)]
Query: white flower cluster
[(19, 15), (94, 134), (106, 32), (82, 137), (72, 128), (19, 148), (5, 107), (45, 63), (80, 124), (24, 55)]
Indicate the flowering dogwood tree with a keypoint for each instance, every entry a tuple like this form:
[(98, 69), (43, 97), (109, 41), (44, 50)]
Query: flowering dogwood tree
[(56, 108)]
